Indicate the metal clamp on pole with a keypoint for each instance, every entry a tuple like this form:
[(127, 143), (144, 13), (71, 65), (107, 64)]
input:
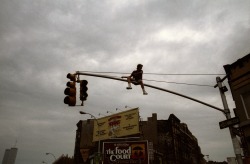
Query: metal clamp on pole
[(221, 80)]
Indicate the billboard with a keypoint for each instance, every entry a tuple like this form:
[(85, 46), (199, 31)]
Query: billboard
[(125, 152), (117, 125)]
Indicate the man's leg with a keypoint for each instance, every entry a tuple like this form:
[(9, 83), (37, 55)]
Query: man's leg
[(129, 82), (142, 87)]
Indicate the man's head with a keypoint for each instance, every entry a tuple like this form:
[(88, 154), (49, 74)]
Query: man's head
[(139, 66)]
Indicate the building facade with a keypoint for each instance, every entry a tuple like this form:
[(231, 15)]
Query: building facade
[(83, 141), (172, 141), (10, 156), (238, 74), (169, 142)]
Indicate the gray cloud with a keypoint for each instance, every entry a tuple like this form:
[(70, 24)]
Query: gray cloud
[(41, 41)]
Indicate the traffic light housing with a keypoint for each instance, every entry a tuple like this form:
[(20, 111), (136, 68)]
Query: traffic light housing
[(70, 91), (83, 90)]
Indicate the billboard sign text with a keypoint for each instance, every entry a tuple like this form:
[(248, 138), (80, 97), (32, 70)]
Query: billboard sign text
[(126, 152), (117, 125)]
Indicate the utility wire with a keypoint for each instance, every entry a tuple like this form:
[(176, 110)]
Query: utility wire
[(182, 74), (200, 85)]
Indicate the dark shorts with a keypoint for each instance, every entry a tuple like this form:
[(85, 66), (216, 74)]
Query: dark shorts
[(135, 82)]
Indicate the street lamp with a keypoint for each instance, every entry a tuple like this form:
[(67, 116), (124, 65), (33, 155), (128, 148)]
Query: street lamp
[(52, 155), (81, 112)]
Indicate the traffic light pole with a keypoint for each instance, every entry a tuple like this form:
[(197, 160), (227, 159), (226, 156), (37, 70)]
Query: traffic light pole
[(236, 144), (151, 86)]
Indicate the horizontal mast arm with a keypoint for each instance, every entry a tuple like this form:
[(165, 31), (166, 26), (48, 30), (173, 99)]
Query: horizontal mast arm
[(151, 86)]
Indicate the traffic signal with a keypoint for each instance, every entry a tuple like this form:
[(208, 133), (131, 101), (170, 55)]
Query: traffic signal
[(70, 91), (83, 90)]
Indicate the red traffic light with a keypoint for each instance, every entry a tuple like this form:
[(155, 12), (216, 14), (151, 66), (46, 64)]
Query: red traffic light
[(70, 91)]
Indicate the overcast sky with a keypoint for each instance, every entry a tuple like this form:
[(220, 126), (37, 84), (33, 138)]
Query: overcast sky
[(42, 41)]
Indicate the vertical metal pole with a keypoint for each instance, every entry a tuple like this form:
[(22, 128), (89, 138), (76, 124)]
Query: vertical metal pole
[(236, 144)]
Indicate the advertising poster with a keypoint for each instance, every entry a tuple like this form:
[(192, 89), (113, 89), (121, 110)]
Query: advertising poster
[(127, 152), (117, 125)]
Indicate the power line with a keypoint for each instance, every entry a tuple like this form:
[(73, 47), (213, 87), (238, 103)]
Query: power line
[(200, 85), (187, 74), (172, 74)]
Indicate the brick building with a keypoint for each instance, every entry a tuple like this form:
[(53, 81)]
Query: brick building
[(170, 141), (173, 143)]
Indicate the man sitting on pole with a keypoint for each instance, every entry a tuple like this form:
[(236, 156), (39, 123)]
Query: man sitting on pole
[(136, 78)]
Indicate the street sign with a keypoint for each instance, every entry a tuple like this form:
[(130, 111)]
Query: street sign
[(229, 122)]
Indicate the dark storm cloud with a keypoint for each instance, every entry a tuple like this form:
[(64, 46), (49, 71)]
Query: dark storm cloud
[(41, 41)]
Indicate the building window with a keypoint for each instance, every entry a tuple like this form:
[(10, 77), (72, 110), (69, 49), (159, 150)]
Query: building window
[(245, 98)]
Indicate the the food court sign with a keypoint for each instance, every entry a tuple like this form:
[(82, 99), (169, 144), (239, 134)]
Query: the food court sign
[(127, 152)]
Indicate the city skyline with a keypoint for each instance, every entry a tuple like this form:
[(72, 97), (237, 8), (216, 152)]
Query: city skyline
[(10, 156)]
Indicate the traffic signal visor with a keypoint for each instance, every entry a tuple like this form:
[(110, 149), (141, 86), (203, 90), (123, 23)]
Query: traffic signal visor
[(72, 77)]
